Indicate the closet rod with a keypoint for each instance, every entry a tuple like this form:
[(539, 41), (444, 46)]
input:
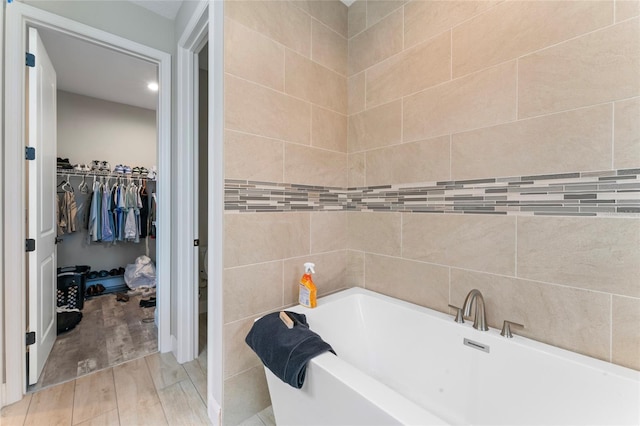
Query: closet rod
[(65, 172)]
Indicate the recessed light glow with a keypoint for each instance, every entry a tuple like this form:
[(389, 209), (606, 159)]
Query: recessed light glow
[(153, 86)]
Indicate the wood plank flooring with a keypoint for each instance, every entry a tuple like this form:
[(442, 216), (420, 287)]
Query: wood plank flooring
[(154, 390), (110, 333)]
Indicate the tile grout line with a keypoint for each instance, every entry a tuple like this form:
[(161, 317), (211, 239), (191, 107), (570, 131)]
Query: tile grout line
[(611, 328), (155, 389)]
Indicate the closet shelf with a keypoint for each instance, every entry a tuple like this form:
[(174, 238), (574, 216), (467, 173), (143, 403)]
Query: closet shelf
[(92, 173)]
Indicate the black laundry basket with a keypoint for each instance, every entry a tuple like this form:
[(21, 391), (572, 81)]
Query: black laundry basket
[(71, 284)]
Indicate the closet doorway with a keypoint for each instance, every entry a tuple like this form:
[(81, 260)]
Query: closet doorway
[(107, 152), (202, 200)]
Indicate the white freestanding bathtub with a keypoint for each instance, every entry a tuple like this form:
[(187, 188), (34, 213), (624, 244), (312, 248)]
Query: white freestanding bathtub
[(400, 363)]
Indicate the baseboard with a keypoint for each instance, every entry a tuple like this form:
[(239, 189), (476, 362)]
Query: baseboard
[(214, 410)]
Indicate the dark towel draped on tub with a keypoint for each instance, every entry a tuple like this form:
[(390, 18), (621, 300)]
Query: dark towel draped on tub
[(286, 351)]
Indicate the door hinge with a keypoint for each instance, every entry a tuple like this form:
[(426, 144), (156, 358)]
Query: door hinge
[(30, 60), (30, 244), (31, 338), (29, 153), (196, 242)]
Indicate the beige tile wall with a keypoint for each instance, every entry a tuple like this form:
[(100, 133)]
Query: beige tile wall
[(285, 121), (413, 91), (442, 90)]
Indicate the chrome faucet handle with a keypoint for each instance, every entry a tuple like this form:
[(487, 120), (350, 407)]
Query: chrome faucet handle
[(459, 317), (506, 328)]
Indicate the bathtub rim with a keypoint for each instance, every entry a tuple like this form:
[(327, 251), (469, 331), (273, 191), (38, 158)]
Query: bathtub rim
[(492, 333)]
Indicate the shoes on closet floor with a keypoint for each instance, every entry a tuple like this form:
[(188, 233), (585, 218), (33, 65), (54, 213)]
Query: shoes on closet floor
[(127, 170), (105, 166), (119, 168), (149, 303), (121, 297)]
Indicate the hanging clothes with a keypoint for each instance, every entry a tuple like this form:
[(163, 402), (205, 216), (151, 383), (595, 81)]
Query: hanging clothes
[(107, 218), (95, 223), (67, 212)]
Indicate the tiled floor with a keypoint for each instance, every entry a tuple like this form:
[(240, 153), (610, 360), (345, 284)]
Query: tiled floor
[(154, 390), (110, 333), (263, 418)]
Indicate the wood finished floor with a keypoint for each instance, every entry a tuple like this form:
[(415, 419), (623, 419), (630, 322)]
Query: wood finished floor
[(154, 390), (109, 334)]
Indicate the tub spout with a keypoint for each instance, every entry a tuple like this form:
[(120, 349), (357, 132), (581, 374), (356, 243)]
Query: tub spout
[(480, 319)]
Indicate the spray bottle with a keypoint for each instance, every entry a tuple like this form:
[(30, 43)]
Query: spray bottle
[(308, 293)]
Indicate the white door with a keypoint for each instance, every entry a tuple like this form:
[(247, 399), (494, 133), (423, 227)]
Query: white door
[(41, 188)]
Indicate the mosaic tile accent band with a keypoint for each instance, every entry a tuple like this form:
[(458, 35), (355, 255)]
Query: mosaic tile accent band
[(605, 193)]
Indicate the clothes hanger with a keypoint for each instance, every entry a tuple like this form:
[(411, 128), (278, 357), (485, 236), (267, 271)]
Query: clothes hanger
[(83, 187), (66, 186)]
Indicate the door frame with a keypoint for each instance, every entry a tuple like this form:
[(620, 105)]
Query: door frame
[(18, 17), (207, 22)]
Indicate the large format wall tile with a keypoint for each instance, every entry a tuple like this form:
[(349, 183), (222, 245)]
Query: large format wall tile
[(356, 169), (245, 395), (330, 276), (375, 232), (312, 82), (481, 99), (238, 356), (252, 56), (376, 43), (331, 13), (329, 48), (328, 129), (251, 290), (357, 17), (255, 109), (376, 127), (280, 20), (420, 67), (378, 9), (570, 318), (425, 19), (626, 9), (512, 29), (258, 237), (355, 268), (253, 157), (564, 142), (482, 243), (423, 161), (596, 253), (627, 134), (598, 67), (328, 231), (356, 93), (625, 340), (312, 166), (416, 282)]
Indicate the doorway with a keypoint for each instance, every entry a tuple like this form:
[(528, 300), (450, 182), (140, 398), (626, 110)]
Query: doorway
[(19, 18), (107, 160), (202, 204)]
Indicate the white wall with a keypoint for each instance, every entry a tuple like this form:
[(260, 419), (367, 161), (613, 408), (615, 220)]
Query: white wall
[(88, 129), (121, 18), (93, 129)]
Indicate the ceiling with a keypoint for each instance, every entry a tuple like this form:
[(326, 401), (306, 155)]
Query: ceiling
[(92, 70), (167, 8)]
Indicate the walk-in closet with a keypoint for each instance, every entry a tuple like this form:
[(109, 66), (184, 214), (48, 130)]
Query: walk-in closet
[(106, 208)]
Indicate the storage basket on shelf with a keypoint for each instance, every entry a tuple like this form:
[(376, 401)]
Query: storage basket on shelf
[(71, 284)]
